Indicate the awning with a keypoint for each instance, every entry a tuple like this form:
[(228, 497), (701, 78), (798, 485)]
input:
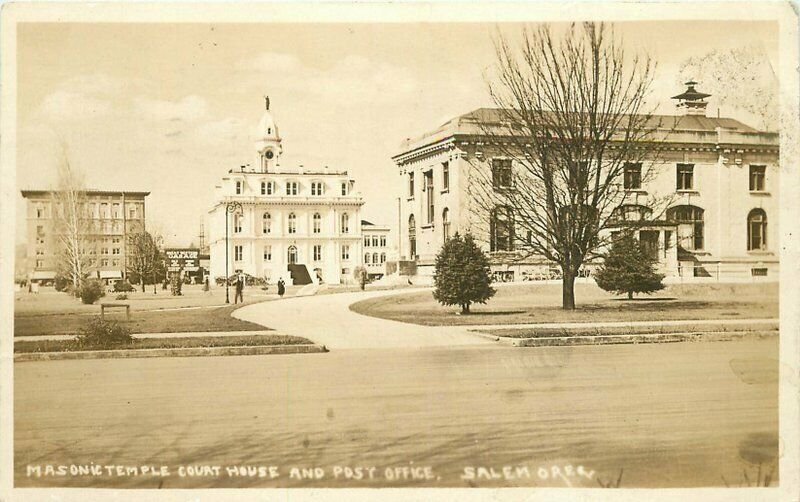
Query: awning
[(43, 274), (111, 274)]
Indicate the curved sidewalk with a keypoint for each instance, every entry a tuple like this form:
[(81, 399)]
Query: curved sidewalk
[(328, 320)]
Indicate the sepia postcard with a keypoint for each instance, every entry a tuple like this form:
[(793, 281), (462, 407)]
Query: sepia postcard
[(399, 251)]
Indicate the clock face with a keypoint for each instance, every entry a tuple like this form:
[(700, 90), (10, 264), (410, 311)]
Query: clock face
[(269, 154)]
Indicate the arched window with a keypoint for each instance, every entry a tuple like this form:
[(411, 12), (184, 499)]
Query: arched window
[(412, 237), (757, 230), (266, 223), (501, 229), (237, 223), (690, 226), (292, 255), (263, 188), (631, 213), (317, 223), (446, 224), (345, 223), (292, 227), (366, 257), (374, 257), (383, 257)]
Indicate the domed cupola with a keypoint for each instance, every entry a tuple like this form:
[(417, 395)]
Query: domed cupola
[(268, 140)]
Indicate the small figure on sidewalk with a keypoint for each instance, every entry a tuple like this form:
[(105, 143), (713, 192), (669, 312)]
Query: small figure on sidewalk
[(206, 285), (281, 287), (239, 289)]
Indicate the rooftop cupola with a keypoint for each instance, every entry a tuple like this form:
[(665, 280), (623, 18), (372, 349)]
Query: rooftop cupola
[(268, 141), (692, 102)]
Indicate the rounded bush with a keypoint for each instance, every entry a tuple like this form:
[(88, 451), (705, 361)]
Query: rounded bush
[(91, 291)]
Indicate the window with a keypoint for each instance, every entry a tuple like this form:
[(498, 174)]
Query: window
[(366, 258), (345, 252), (40, 212), (366, 241), (412, 237), (345, 223), (501, 173), (268, 253), (292, 227), (757, 230), (410, 185), (632, 176), (445, 176), (374, 241), (115, 240), (238, 252), (631, 213), (429, 196), (291, 188), (116, 211), (383, 257), (115, 227), (39, 263), (446, 224), (317, 223), (316, 188), (104, 251), (237, 223), (757, 177), (344, 188), (115, 251), (266, 223), (238, 188), (374, 257), (690, 226), (501, 229), (292, 255), (317, 252), (270, 188), (685, 179), (40, 230), (103, 263), (263, 188), (103, 210), (132, 212), (383, 241), (758, 272), (40, 252)]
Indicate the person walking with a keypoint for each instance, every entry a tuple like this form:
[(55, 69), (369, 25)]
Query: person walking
[(239, 297), (281, 287)]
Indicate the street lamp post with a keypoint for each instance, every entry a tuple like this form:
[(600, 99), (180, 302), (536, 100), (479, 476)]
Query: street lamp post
[(230, 207)]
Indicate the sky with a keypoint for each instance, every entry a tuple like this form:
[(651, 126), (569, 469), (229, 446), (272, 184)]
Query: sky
[(170, 108)]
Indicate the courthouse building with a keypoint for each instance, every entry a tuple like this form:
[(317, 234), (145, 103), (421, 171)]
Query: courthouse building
[(110, 216), (302, 225), (719, 176)]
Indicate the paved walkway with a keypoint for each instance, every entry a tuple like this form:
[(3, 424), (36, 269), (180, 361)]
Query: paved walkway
[(185, 334), (328, 320), (618, 324)]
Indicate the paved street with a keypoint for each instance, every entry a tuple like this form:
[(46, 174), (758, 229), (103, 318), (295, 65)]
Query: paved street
[(684, 414)]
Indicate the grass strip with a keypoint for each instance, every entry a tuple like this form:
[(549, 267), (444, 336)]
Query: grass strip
[(163, 343)]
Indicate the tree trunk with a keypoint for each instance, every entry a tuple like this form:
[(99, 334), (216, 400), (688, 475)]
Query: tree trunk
[(630, 295), (568, 289), (142, 279), (465, 308)]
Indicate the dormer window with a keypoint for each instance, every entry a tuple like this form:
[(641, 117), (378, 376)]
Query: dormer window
[(344, 188), (317, 188), (291, 188), (238, 188)]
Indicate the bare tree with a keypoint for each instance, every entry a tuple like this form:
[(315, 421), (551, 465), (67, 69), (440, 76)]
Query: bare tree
[(144, 256), (572, 118), (72, 223)]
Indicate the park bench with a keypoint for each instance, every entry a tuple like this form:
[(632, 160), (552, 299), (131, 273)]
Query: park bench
[(104, 306)]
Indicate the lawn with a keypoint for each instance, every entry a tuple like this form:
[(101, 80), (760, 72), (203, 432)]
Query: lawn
[(541, 303), (155, 321), (164, 343)]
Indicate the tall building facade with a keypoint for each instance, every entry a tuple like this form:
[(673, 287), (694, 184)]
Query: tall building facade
[(301, 225), (376, 248), (109, 217), (719, 176)]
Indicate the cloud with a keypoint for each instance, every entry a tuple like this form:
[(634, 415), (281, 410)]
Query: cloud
[(62, 106), (189, 109), (271, 62)]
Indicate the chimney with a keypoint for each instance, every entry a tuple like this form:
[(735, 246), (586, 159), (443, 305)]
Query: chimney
[(692, 102)]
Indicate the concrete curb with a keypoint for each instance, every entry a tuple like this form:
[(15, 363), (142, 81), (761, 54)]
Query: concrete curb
[(560, 341), (186, 352)]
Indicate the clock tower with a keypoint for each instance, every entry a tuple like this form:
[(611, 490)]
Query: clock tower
[(268, 141)]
